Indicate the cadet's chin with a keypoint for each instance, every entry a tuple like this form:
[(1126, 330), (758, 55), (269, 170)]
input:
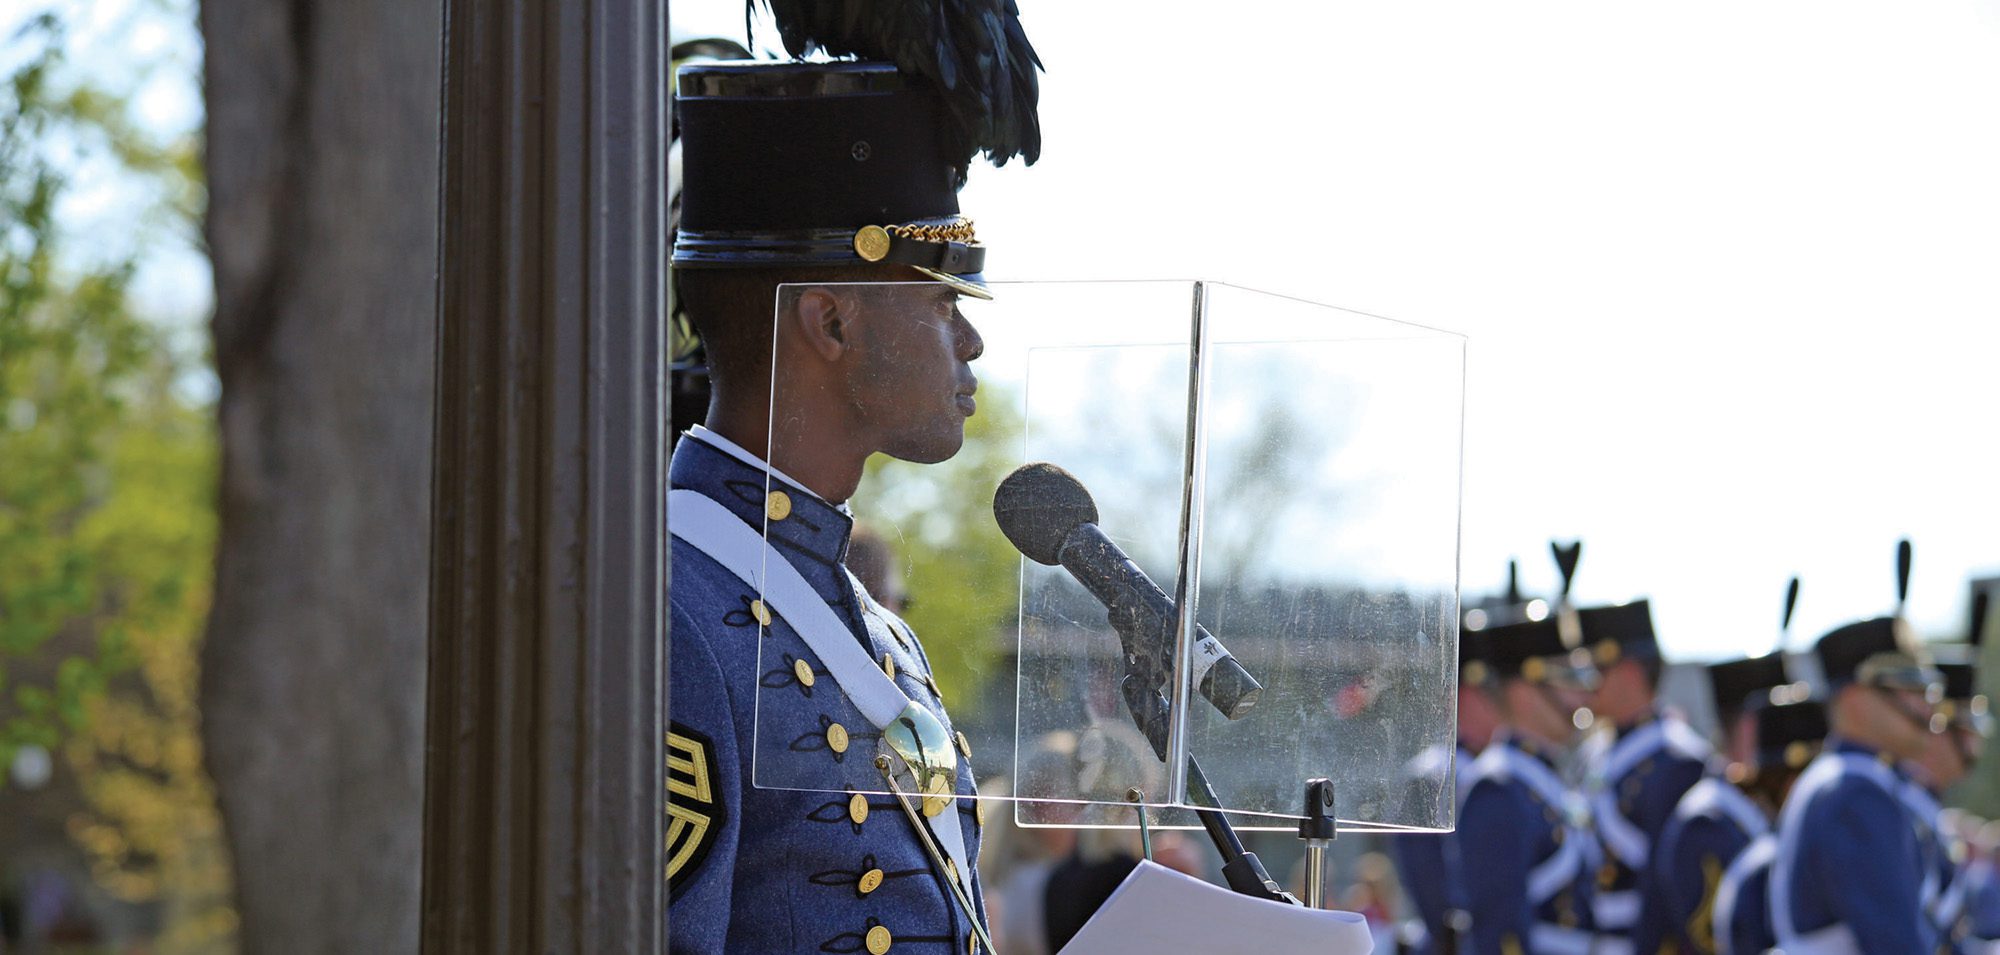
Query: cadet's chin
[(932, 449)]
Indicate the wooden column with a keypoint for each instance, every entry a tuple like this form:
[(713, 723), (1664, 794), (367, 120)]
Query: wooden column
[(544, 796)]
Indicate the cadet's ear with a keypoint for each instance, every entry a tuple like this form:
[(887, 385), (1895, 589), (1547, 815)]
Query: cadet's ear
[(820, 316)]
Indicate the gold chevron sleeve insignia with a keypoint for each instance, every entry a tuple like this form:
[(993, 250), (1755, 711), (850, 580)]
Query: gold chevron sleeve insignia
[(694, 815), (1701, 927)]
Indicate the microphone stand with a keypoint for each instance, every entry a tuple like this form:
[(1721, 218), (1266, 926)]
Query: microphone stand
[(1140, 687)]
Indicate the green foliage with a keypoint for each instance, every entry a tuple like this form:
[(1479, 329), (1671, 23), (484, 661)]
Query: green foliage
[(71, 362), (961, 575), (107, 471)]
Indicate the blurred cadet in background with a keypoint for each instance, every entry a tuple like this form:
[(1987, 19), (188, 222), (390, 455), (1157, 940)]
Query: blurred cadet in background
[(1522, 831), (1718, 816), (1633, 784), (1372, 895), (1110, 759), (1736, 917), (1016, 860), (1430, 866), (1958, 730), (1852, 864)]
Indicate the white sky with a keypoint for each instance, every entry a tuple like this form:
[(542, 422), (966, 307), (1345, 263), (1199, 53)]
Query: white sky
[(1730, 270), (150, 52)]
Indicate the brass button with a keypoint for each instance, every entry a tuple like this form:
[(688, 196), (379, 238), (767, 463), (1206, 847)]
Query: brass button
[(963, 746), (761, 612), (951, 869), (979, 811), (870, 881), (878, 940), (804, 672), (778, 506), (857, 808), (871, 242), (836, 738), (935, 804), (889, 665), (972, 945)]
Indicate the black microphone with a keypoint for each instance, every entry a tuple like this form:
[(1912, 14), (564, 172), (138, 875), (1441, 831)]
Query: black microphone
[(1047, 514)]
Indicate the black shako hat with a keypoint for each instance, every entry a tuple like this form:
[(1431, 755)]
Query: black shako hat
[(1734, 682), (1957, 665), (1879, 651), (821, 164), (1789, 732), (1472, 665), (1507, 607), (1534, 650), (1618, 631)]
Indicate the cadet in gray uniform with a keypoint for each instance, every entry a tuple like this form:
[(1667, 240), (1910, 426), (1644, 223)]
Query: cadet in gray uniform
[(789, 680)]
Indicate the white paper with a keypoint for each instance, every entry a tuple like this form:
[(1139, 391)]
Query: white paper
[(1159, 910)]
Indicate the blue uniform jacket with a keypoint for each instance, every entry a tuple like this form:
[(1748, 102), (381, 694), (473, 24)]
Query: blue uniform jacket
[(1429, 864), (1634, 789), (1712, 824), (828, 865), (1943, 891), (1742, 921), (1527, 874), (1981, 878), (1850, 867)]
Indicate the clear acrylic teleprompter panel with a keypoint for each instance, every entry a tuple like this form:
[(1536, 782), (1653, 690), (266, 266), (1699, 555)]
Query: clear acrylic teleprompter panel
[(1329, 556), (1094, 377), (1328, 550), (947, 562)]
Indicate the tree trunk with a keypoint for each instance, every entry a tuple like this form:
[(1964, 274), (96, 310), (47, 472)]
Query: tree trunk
[(322, 226)]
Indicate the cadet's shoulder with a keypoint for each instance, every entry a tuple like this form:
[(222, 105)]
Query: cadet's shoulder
[(714, 617), (1491, 797), (1843, 783), (1703, 800), (1680, 741), (695, 574), (1496, 778), (1712, 801), (1493, 767)]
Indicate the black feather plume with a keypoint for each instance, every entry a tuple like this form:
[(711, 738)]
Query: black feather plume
[(1791, 604), (1566, 561), (974, 51), (1902, 574)]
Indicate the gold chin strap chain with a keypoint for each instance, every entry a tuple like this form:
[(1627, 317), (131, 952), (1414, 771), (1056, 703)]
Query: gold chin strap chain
[(958, 888)]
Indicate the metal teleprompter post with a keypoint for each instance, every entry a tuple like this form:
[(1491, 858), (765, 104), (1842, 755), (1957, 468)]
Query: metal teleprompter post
[(1318, 830)]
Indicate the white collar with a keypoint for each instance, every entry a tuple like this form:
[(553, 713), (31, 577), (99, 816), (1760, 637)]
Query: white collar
[(737, 451)]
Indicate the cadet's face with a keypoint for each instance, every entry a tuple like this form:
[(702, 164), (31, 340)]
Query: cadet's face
[(912, 382), (1624, 694), (1896, 720), (1544, 712), (1943, 760)]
